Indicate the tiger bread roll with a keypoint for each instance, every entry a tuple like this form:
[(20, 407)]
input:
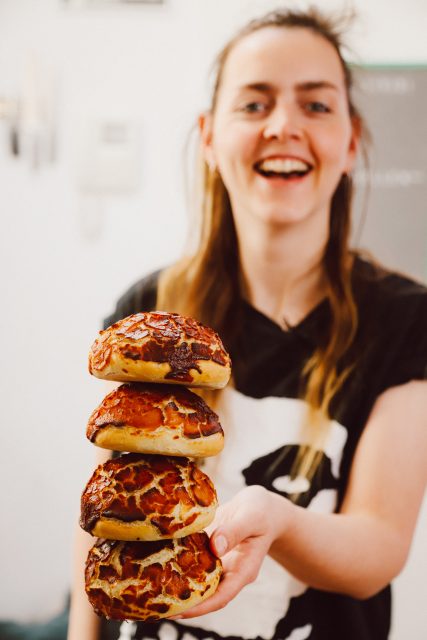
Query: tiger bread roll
[(156, 418), (160, 347), (148, 507), (150, 580), (144, 497)]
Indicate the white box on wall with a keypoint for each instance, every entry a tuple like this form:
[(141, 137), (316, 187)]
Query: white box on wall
[(109, 157)]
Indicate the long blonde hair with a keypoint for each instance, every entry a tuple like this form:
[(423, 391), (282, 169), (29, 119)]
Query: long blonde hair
[(206, 284)]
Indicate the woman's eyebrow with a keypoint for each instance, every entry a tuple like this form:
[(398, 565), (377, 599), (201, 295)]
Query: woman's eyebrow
[(263, 87), (312, 85)]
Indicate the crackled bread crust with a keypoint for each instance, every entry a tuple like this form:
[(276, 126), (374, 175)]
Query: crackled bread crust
[(153, 418), (144, 497), (151, 580), (160, 347)]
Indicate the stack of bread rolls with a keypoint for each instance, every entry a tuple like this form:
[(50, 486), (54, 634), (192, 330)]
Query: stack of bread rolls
[(149, 506)]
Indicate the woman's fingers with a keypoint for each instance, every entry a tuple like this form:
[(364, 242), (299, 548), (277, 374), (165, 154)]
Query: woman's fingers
[(241, 534), (228, 588), (241, 566)]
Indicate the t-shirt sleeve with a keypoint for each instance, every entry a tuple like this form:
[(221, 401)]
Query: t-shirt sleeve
[(414, 359), (140, 297), (410, 361)]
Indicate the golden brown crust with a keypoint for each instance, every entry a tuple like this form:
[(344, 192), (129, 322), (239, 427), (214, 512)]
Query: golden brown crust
[(137, 497), (150, 580), (153, 418), (160, 347)]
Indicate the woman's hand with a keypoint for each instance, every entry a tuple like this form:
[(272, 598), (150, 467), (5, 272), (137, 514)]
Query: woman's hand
[(242, 533)]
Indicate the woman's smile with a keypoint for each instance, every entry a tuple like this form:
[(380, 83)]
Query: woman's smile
[(285, 168)]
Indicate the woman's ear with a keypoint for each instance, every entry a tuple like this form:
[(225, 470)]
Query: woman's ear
[(353, 147), (206, 134)]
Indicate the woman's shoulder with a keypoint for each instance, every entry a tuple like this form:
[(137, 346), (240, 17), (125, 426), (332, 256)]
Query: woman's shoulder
[(141, 296), (392, 310), (378, 288)]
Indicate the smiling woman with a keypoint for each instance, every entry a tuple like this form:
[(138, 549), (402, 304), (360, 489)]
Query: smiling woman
[(329, 355)]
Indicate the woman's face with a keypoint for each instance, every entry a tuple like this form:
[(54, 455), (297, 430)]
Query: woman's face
[(281, 135)]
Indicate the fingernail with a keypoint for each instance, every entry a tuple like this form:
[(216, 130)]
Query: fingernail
[(220, 545)]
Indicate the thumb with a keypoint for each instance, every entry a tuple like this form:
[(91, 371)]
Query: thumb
[(219, 543), (239, 519), (229, 534)]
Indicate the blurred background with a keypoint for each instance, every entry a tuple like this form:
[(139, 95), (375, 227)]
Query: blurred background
[(96, 102)]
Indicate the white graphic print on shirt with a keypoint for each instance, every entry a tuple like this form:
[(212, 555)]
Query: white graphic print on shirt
[(253, 430), (301, 634)]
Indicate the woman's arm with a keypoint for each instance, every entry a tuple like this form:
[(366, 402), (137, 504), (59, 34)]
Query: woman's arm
[(83, 622), (356, 552)]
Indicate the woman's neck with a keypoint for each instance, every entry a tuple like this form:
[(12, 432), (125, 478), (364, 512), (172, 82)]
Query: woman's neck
[(282, 269)]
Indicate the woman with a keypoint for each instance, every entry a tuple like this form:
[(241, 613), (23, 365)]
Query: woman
[(329, 353)]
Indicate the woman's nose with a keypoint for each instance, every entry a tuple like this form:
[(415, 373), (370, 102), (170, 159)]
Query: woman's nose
[(282, 123)]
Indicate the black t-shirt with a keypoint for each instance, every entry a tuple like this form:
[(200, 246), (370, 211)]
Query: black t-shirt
[(262, 416)]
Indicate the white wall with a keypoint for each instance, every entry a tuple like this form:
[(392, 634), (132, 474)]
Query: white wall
[(65, 258)]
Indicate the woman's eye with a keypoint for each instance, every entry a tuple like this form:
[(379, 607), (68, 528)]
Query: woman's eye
[(254, 107), (317, 107)]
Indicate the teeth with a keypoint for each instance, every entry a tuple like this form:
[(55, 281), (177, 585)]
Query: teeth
[(286, 165)]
